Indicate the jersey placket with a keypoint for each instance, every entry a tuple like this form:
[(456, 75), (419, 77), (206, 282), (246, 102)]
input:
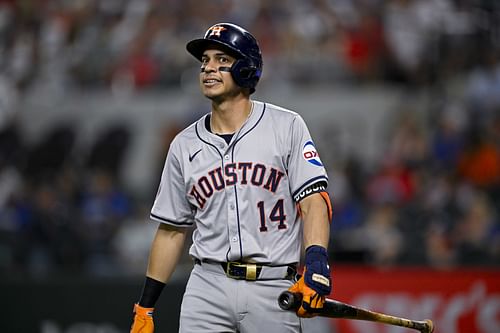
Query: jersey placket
[(235, 252), (235, 249)]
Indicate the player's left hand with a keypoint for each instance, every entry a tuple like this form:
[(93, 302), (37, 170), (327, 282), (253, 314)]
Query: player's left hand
[(143, 320), (315, 284)]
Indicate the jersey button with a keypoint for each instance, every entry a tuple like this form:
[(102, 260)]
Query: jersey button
[(234, 239), (231, 206), (226, 157)]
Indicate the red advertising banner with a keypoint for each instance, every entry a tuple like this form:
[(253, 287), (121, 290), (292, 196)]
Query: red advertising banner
[(458, 300)]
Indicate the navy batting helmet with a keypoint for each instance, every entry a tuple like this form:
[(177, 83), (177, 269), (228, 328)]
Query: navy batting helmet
[(247, 69)]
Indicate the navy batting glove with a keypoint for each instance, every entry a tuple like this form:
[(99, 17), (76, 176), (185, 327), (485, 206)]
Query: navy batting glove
[(317, 272)]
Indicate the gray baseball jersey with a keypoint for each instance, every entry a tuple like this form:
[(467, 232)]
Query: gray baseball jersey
[(242, 196)]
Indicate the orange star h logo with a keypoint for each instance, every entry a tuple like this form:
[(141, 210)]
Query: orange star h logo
[(216, 30)]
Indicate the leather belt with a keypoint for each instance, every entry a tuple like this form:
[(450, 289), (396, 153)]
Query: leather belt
[(239, 271), (251, 271)]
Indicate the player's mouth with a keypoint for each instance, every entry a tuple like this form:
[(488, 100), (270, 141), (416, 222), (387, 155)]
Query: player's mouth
[(210, 82)]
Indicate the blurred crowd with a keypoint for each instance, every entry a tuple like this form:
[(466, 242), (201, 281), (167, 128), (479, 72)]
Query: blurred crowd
[(433, 197), (141, 43)]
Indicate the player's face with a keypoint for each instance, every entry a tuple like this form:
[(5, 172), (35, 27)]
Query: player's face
[(216, 84)]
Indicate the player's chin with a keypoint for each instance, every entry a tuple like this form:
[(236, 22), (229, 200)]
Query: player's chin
[(212, 92)]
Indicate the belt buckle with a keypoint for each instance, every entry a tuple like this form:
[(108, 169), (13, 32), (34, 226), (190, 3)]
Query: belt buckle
[(251, 272), (249, 269)]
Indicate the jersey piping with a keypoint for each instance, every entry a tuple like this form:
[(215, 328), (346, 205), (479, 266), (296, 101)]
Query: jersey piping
[(235, 190), (157, 217)]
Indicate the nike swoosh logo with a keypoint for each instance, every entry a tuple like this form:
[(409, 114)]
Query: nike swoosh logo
[(191, 157)]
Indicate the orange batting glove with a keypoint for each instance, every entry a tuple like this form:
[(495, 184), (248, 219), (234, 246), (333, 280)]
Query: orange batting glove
[(315, 284), (312, 302), (143, 320)]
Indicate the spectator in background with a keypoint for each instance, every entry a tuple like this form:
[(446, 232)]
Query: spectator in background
[(447, 139), (439, 250), (104, 208), (412, 29), (392, 183), (348, 204), (479, 163), (364, 45), (483, 85), (494, 133), (477, 233), (11, 155), (56, 245), (408, 142), (381, 235), (104, 204)]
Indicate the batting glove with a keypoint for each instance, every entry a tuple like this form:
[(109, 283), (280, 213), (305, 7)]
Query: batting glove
[(317, 273), (315, 284), (143, 320), (312, 302)]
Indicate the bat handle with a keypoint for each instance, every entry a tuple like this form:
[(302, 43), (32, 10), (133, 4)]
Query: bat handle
[(289, 301)]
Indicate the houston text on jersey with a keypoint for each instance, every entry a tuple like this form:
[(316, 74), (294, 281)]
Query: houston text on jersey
[(244, 173)]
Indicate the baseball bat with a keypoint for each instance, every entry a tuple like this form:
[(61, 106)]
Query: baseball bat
[(335, 309)]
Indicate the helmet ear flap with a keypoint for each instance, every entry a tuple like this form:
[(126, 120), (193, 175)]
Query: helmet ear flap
[(244, 73)]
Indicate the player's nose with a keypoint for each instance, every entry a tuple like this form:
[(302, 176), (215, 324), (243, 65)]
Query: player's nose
[(208, 67)]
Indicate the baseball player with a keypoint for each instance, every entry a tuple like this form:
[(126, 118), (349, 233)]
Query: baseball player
[(248, 177)]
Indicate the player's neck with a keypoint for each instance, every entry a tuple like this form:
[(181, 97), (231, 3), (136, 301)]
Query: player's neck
[(229, 116)]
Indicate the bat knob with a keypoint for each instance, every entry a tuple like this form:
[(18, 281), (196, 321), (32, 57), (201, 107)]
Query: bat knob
[(429, 327), (289, 301)]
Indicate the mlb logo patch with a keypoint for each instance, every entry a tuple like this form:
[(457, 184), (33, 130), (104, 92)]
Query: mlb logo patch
[(311, 154)]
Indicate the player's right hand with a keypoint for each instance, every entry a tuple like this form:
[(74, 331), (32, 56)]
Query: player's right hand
[(312, 301), (143, 320), (317, 270), (315, 283)]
